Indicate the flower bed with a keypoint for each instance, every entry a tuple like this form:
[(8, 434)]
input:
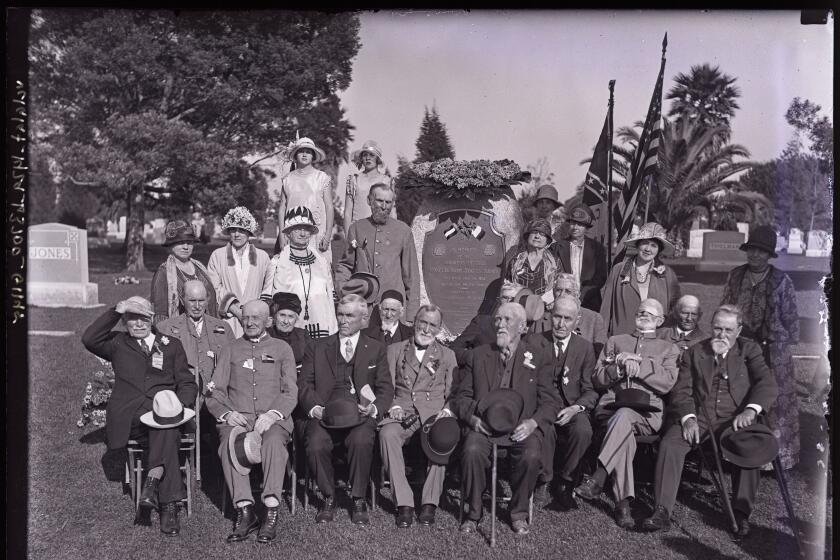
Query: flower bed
[(97, 392), (467, 179)]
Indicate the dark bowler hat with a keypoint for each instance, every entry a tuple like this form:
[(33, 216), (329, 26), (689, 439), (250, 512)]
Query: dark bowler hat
[(245, 448), (363, 284), (501, 410), (635, 399), (750, 447), (548, 192), (581, 214), (285, 300), (178, 231), (764, 238), (439, 438), (340, 414)]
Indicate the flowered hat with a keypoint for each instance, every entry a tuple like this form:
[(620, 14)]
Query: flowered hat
[(178, 231), (307, 143), (371, 147), (240, 217), (299, 216), (652, 230)]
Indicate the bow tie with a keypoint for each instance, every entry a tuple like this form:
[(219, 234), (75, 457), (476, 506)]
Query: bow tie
[(420, 347)]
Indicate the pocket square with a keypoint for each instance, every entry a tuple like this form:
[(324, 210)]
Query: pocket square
[(373, 366)]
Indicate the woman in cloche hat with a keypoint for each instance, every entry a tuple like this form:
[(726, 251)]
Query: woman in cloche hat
[(167, 295), (368, 160), (535, 266), (312, 188), (640, 277), (767, 300), (300, 270)]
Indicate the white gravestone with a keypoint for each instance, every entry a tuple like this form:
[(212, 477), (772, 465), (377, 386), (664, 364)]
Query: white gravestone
[(744, 228), (57, 274), (819, 244), (695, 243), (795, 244)]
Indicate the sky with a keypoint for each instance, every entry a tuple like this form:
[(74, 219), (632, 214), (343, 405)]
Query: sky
[(527, 85)]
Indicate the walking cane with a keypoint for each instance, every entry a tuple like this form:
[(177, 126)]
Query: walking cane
[(783, 487), (724, 495)]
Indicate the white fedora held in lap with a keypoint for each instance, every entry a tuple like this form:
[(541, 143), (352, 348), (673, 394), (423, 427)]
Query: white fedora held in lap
[(167, 411)]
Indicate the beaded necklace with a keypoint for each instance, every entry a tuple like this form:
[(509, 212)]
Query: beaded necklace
[(304, 262)]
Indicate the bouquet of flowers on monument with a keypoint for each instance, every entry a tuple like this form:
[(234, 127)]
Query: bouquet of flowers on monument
[(97, 392), (451, 178)]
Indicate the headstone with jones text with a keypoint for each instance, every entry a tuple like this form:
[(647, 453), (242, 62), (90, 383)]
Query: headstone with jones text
[(57, 273)]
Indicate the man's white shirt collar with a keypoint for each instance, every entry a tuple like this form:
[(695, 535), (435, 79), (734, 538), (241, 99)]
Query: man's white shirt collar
[(354, 341)]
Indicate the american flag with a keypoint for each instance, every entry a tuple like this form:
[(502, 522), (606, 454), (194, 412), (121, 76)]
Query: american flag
[(644, 166)]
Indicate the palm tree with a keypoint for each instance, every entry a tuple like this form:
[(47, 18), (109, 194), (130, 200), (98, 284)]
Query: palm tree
[(707, 95), (693, 163)]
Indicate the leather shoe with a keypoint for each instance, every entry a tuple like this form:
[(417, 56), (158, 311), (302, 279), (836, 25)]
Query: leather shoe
[(169, 524), (566, 498), (268, 529), (743, 525), (520, 527), (469, 526), (427, 514), (149, 495), (326, 513), (589, 489), (359, 514), (405, 516), (623, 517), (659, 521), (246, 522)]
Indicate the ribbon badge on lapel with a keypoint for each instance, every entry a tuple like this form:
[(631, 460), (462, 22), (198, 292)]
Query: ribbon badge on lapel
[(527, 362)]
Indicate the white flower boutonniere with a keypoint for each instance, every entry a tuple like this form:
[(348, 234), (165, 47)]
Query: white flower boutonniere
[(164, 340), (566, 375), (210, 386), (527, 362), (660, 270), (354, 244)]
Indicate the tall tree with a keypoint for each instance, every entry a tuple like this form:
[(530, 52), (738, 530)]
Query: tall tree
[(707, 95), (128, 101), (432, 144)]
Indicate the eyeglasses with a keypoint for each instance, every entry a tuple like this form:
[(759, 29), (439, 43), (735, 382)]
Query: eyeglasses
[(646, 314)]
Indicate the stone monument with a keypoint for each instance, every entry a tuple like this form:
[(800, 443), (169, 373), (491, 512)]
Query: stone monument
[(695, 242), (795, 244), (721, 251), (819, 244), (57, 273)]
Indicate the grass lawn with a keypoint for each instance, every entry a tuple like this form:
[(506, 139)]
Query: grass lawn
[(79, 508)]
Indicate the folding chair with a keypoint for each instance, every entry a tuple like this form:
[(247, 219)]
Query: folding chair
[(494, 463), (309, 484), (134, 468), (291, 472)]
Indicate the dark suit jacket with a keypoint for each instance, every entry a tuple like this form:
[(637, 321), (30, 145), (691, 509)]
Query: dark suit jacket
[(403, 332), (297, 339), (136, 380), (483, 373), (317, 374), (593, 269), (480, 331), (750, 380), (670, 334), (578, 364)]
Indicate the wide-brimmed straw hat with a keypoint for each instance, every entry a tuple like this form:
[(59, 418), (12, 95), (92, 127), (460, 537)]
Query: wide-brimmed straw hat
[(370, 147), (300, 216), (167, 411), (652, 230), (308, 143), (762, 237), (245, 449), (178, 231)]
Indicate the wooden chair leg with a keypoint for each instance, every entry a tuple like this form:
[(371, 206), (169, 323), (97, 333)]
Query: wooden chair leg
[(138, 481), (493, 478)]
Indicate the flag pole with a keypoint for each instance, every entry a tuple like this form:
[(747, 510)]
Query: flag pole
[(609, 177), (650, 180)]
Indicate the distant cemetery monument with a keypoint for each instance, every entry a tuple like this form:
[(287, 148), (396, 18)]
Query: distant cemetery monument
[(57, 273)]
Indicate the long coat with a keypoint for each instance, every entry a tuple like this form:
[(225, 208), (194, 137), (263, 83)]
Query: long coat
[(670, 334), (424, 386), (750, 380), (572, 373), (483, 373), (136, 379), (622, 299), (320, 360), (593, 269), (222, 270)]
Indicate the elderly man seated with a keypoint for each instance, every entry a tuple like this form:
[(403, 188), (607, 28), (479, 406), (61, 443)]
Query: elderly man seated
[(385, 326), (590, 324), (254, 389), (146, 365), (421, 370), (686, 331), (523, 371), (480, 330), (636, 370)]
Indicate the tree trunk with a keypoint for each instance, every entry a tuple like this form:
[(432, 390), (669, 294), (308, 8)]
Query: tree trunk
[(136, 220)]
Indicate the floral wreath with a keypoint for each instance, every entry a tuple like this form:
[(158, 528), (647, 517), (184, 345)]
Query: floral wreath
[(451, 178)]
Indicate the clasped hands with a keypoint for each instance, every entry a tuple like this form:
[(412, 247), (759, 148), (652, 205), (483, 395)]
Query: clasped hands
[(691, 429), (263, 423), (522, 431), (630, 362)]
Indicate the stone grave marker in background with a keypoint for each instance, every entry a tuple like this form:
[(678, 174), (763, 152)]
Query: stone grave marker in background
[(744, 228), (695, 242), (819, 244), (57, 273), (795, 244), (721, 250)]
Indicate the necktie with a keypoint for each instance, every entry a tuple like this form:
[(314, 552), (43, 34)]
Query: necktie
[(348, 350), (386, 336), (145, 347), (682, 335)]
